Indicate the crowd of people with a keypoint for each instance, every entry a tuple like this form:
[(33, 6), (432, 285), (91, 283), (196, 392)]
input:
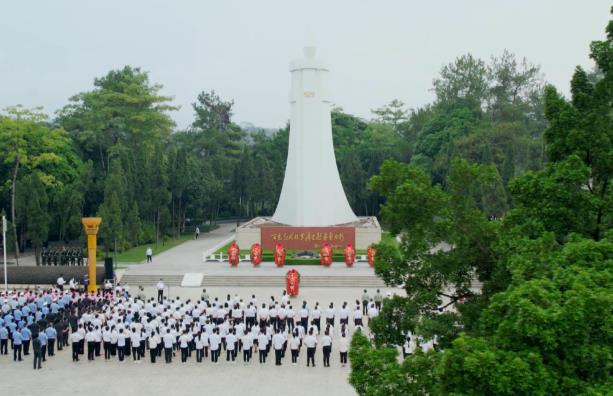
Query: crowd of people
[(112, 324), (39, 322)]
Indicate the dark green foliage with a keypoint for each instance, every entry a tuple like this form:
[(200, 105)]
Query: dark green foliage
[(541, 322)]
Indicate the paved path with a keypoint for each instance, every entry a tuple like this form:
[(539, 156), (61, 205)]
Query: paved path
[(187, 256)]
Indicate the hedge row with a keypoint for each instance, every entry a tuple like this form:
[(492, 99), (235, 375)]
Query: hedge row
[(30, 275), (270, 257)]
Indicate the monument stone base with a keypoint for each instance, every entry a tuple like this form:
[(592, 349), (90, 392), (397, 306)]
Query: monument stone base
[(263, 230)]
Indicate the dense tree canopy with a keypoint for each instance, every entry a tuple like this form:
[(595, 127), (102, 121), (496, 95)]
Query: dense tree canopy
[(114, 151), (518, 293)]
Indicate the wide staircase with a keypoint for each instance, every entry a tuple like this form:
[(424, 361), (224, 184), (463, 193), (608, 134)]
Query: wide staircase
[(257, 281), (151, 280)]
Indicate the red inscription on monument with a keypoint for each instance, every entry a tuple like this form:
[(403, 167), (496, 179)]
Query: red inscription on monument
[(306, 238)]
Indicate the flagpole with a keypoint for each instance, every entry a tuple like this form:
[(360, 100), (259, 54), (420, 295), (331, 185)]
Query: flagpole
[(6, 284)]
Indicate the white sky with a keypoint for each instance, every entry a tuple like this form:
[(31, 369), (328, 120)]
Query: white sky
[(376, 50)]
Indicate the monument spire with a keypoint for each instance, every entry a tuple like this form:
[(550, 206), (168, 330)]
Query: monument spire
[(312, 193)]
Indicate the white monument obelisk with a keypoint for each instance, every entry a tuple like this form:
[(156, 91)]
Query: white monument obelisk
[(312, 193)]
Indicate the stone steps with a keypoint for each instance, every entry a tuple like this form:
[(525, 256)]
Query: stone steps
[(305, 281), (151, 280), (257, 281)]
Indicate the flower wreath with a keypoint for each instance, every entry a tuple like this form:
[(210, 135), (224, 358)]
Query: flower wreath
[(287, 273)]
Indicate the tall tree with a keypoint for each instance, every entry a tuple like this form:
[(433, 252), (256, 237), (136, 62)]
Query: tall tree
[(539, 322), (124, 113), (33, 202), (29, 144), (112, 210)]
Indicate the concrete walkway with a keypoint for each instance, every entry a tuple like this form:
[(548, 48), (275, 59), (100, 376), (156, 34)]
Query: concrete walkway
[(186, 256)]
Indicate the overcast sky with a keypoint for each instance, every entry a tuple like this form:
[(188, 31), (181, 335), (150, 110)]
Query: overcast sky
[(376, 50)]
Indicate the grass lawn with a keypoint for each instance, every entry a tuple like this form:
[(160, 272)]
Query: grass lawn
[(137, 254)]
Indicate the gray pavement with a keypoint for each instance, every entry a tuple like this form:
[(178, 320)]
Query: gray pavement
[(61, 376), (191, 251)]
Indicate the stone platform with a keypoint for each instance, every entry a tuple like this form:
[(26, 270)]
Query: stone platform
[(367, 232), (184, 260)]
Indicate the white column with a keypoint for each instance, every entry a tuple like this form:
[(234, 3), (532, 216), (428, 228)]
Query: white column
[(312, 193)]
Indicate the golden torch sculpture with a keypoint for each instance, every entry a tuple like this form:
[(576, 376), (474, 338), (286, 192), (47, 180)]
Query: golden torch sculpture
[(91, 226)]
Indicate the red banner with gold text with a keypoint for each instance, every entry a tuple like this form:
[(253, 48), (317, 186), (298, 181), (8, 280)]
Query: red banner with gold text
[(306, 238)]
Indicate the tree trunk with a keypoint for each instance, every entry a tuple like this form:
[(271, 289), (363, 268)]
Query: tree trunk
[(14, 221), (172, 215), (157, 227), (101, 158), (36, 249)]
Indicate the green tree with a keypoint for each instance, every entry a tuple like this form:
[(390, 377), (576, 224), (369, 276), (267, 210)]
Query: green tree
[(112, 210), (539, 321), (123, 117), (34, 217), (29, 144)]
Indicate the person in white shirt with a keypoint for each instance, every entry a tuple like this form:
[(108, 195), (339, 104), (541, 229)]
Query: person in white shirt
[(168, 343), (409, 347), (160, 287), (316, 315), (106, 342), (154, 342), (311, 343), (75, 340), (372, 311), (97, 338), (231, 345), (205, 341), (294, 346), (183, 341), (215, 342), (304, 316), (199, 342), (343, 345), (149, 254), (274, 318), (277, 342), (282, 318), (263, 315), (135, 341), (262, 346), (250, 316), (72, 284), (60, 282), (237, 313), (357, 316), (326, 344), (343, 315), (330, 315), (247, 341), (290, 318), (113, 341), (90, 338), (426, 345)]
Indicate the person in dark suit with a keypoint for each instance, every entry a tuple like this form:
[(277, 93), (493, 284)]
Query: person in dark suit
[(38, 354)]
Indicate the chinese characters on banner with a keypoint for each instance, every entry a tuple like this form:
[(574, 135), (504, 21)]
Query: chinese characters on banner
[(307, 238)]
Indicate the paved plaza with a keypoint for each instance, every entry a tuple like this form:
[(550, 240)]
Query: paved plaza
[(61, 376)]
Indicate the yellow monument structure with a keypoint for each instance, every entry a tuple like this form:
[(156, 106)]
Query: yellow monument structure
[(91, 225)]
